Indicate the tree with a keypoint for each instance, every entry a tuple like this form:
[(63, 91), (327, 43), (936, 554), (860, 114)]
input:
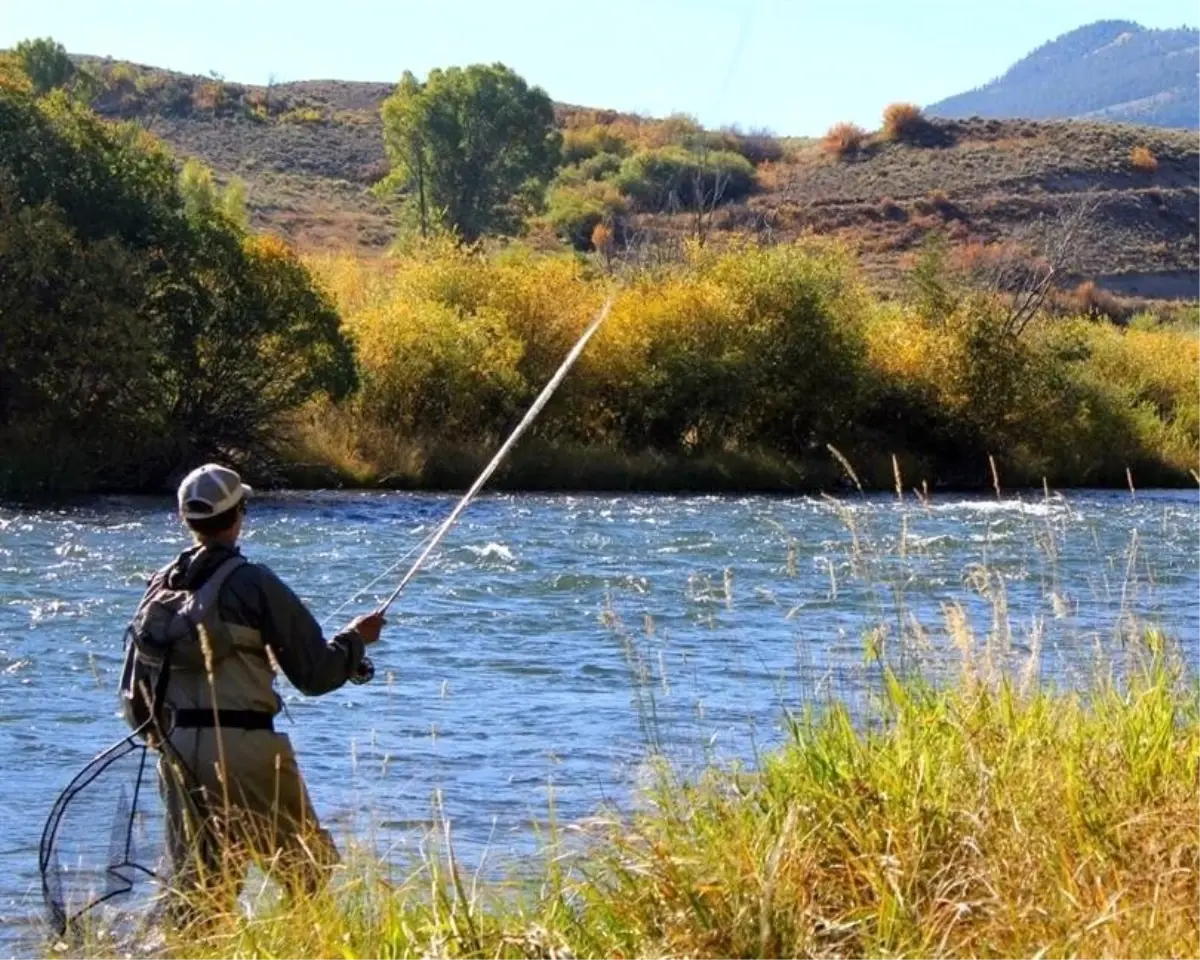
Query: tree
[(49, 67), (474, 147), (46, 64), (141, 329)]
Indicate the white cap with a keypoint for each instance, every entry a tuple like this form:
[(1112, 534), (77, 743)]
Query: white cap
[(210, 490)]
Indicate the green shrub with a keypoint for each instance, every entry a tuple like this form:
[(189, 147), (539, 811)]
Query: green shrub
[(601, 166), (574, 211), (658, 179), (140, 331)]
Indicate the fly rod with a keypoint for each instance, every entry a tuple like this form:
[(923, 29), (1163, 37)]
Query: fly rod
[(541, 401)]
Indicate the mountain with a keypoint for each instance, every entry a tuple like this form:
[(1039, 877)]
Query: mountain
[(1109, 70)]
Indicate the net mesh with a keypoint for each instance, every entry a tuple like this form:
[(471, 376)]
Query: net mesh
[(104, 841)]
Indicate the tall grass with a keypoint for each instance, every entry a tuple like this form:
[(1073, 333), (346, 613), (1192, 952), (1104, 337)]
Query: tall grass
[(989, 817), (964, 806)]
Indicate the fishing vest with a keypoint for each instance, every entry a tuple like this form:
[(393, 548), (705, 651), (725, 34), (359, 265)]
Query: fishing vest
[(180, 655)]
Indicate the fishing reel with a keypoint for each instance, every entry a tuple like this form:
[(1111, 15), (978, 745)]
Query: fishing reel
[(365, 672)]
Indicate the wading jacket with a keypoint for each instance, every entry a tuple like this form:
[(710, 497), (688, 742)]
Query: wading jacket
[(261, 613)]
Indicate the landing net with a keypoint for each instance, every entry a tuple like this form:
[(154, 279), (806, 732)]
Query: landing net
[(104, 841)]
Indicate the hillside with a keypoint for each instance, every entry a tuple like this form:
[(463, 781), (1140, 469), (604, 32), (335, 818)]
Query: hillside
[(310, 151), (1109, 70)]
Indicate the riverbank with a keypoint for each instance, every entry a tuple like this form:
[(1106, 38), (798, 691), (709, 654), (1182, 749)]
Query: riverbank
[(323, 463), (991, 817)]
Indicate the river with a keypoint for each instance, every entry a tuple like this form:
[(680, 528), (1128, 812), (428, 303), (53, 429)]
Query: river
[(553, 639)]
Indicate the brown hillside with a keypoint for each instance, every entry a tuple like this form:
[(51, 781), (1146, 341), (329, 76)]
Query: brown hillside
[(309, 152)]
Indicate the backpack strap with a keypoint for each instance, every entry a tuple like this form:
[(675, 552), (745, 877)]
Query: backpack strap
[(205, 599)]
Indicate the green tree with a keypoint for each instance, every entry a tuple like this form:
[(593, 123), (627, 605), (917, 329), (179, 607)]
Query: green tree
[(46, 64), (49, 67), (202, 196), (233, 203), (474, 147)]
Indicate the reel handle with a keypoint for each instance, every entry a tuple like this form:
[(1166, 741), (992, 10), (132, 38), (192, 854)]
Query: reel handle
[(365, 672)]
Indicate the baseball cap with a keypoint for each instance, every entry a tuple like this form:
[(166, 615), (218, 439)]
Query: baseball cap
[(210, 490)]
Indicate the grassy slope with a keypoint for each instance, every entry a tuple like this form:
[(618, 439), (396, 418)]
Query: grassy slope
[(315, 147)]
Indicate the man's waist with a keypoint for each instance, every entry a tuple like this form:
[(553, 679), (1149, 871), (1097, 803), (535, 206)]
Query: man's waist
[(207, 718)]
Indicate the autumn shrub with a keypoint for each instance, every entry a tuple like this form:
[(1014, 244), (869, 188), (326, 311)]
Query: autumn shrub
[(758, 147), (843, 140), (581, 143), (302, 115), (596, 131), (1153, 373), (745, 349), (937, 201), (121, 76), (209, 95), (902, 121), (1094, 301), (1141, 159), (753, 346)]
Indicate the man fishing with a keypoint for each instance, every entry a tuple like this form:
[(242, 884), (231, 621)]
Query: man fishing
[(230, 783)]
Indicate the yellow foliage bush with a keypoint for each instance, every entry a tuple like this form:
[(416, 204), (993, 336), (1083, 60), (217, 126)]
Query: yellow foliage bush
[(745, 348), (902, 120), (842, 140)]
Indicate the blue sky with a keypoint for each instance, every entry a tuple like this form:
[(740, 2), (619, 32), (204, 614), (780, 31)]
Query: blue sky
[(794, 66)]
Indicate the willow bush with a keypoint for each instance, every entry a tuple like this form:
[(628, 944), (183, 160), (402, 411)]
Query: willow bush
[(752, 350)]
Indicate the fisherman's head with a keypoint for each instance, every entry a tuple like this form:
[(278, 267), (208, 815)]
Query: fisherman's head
[(212, 502)]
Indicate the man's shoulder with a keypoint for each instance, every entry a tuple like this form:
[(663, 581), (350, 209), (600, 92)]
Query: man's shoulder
[(255, 573)]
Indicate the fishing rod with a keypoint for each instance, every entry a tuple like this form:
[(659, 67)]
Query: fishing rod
[(367, 670)]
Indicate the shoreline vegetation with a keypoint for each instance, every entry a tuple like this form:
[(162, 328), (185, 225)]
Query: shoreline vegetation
[(990, 815), (741, 369), (145, 329)]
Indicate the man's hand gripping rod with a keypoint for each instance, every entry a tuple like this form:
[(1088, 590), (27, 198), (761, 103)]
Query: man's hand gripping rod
[(367, 670)]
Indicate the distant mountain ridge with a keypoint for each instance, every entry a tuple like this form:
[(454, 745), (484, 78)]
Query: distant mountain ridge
[(1113, 70)]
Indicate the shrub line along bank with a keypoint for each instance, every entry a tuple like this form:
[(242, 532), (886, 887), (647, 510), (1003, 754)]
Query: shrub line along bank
[(736, 369)]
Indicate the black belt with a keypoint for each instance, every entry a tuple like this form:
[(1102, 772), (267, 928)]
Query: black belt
[(230, 719)]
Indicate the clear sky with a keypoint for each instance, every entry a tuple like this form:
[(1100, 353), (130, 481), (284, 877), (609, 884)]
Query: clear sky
[(794, 66)]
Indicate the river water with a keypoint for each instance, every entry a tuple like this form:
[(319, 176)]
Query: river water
[(553, 640)]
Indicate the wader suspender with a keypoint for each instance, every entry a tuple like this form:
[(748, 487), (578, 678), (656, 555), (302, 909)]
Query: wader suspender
[(202, 600)]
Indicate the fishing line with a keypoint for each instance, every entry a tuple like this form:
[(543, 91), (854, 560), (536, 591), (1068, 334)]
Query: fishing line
[(386, 573)]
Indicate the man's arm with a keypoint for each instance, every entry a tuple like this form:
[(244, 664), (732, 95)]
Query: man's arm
[(312, 664)]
